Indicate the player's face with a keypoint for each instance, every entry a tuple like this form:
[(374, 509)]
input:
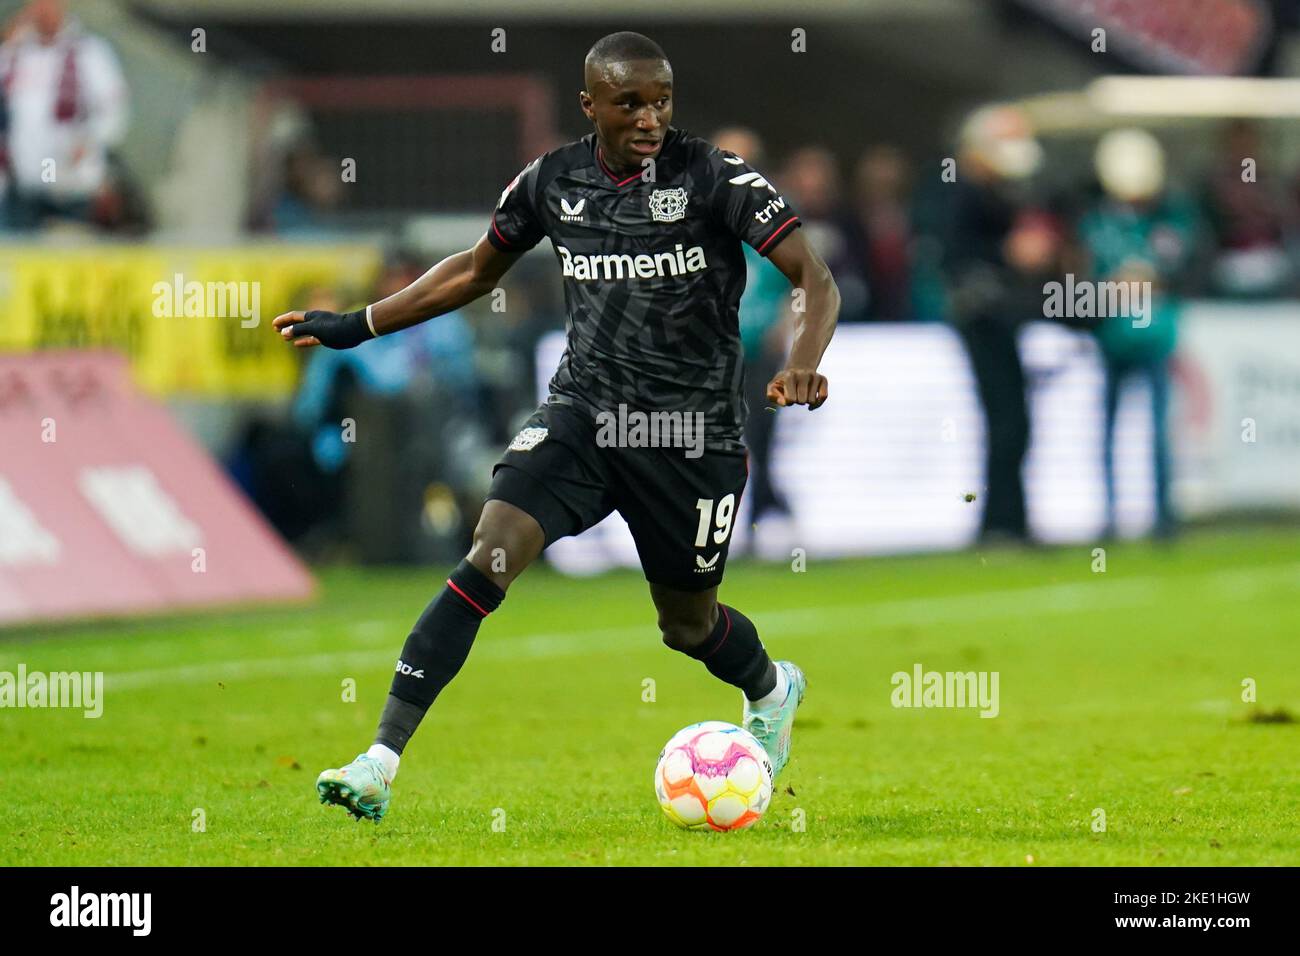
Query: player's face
[(631, 105)]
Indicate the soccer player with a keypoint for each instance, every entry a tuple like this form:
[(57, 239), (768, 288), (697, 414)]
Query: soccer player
[(646, 221)]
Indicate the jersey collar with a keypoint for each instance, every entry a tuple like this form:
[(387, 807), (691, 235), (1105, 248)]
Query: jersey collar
[(670, 140)]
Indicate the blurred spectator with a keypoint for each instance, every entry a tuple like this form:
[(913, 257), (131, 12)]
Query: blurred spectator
[(884, 211), (423, 399), (294, 185), (281, 467), (313, 187), (65, 108), (992, 254), (812, 180), (505, 343), (763, 338), (1138, 233), (1246, 217), (121, 206), (440, 351)]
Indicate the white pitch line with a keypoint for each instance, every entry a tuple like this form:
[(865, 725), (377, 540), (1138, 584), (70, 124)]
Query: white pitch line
[(957, 608)]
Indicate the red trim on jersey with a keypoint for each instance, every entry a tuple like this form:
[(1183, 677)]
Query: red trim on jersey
[(452, 584), (610, 173), (769, 239), (498, 231)]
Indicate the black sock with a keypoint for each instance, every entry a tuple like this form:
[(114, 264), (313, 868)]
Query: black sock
[(734, 653), (435, 651)]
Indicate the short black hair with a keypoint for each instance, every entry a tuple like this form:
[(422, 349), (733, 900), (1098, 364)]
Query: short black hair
[(621, 47)]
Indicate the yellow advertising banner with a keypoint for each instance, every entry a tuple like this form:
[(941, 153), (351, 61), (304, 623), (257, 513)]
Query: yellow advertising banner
[(193, 321)]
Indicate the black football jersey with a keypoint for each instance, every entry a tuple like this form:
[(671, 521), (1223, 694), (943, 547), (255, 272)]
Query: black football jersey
[(653, 272)]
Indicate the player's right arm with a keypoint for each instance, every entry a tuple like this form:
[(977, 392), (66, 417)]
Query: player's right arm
[(454, 282)]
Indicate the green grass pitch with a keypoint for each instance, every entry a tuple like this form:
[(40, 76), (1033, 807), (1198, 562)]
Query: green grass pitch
[(1120, 692)]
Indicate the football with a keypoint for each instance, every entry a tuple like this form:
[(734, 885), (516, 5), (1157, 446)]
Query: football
[(713, 776)]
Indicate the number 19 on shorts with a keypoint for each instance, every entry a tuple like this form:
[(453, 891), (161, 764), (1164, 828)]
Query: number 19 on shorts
[(708, 517)]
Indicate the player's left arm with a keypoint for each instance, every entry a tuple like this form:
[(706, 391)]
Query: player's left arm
[(815, 311)]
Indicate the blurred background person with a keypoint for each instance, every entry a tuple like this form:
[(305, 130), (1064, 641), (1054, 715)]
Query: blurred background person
[(883, 201), (506, 337), (66, 107), (312, 190), (296, 189), (1138, 233), (1247, 216), (293, 469), (988, 262), (423, 386), (811, 177), (763, 335)]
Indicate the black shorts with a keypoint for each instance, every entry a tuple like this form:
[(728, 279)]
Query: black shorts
[(681, 510)]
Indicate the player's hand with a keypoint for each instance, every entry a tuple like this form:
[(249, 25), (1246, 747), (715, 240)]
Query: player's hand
[(798, 386), (331, 329)]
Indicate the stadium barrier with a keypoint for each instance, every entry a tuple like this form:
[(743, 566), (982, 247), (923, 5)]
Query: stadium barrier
[(107, 507)]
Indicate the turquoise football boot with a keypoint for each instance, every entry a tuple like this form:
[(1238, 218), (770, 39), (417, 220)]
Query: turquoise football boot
[(772, 727), (361, 787)]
